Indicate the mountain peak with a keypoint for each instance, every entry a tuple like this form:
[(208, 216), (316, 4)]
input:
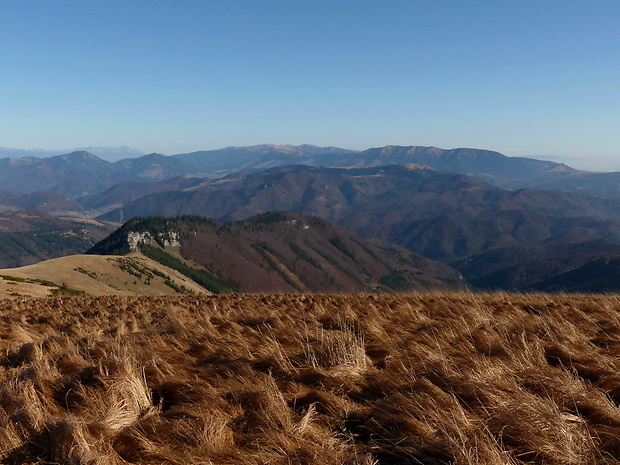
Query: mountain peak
[(562, 168), (155, 155), (112, 154), (80, 155), (388, 149)]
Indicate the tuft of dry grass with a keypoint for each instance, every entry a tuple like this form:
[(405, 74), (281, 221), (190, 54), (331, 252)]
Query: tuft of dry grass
[(311, 379)]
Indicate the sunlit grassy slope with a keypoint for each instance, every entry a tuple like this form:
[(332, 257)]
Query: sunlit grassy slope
[(132, 274), (311, 379)]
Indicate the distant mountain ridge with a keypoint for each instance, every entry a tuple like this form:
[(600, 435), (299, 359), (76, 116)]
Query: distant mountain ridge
[(217, 163), (63, 175), (375, 200), (81, 173), (488, 166), (485, 165), (107, 153), (112, 154)]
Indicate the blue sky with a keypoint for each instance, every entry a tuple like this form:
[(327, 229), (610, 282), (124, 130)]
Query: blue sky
[(522, 77)]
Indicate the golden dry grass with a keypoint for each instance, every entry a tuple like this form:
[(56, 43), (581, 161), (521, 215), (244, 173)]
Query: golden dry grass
[(311, 379), (97, 275)]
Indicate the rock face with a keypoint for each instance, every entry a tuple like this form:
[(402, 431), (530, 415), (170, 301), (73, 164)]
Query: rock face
[(138, 239)]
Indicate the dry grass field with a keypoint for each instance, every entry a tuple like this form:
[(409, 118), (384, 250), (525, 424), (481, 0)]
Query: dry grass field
[(311, 379)]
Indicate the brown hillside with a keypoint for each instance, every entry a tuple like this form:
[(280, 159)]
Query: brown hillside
[(285, 252), (282, 252), (311, 379)]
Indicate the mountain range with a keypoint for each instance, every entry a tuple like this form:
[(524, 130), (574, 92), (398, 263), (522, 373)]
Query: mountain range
[(444, 216), (107, 153), (474, 210), (410, 205), (81, 173)]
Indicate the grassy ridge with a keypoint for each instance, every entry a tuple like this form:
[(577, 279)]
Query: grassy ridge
[(311, 379), (56, 289)]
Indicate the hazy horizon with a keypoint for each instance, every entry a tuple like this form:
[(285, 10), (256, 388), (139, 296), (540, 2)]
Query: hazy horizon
[(118, 153)]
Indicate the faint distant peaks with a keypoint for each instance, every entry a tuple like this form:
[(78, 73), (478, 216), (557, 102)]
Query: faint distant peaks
[(106, 153), (292, 149), (113, 153)]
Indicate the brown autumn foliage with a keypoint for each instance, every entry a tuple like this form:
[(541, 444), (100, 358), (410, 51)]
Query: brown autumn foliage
[(311, 379)]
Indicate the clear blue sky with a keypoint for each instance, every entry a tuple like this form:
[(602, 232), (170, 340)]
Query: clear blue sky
[(521, 77)]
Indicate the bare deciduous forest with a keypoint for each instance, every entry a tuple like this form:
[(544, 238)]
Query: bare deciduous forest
[(311, 379)]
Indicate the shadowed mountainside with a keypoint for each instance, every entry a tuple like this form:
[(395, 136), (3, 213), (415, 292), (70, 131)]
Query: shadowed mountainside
[(44, 201), (27, 237), (539, 267), (599, 274), (127, 191)]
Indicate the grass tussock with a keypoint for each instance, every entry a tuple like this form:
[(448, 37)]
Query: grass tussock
[(311, 379)]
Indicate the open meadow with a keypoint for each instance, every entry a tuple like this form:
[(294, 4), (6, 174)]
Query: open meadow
[(311, 379)]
